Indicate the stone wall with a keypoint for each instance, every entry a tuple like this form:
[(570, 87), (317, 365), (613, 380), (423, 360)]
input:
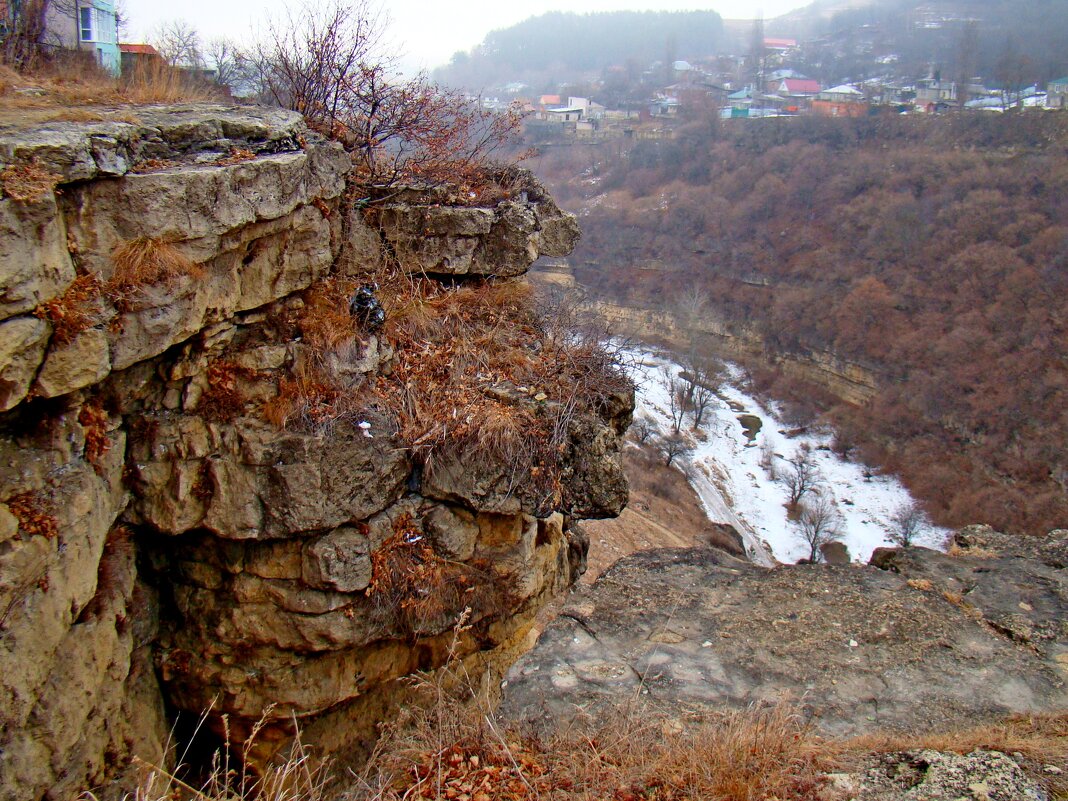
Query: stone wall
[(158, 553)]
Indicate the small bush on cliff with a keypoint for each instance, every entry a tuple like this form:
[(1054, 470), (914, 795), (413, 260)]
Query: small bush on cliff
[(326, 61)]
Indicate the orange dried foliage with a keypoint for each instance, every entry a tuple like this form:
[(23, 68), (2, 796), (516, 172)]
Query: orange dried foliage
[(223, 400), (76, 310), (237, 155), (147, 260), (325, 322), (94, 422), (413, 586), (309, 399), (32, 511), (153, 165), (27, 183)]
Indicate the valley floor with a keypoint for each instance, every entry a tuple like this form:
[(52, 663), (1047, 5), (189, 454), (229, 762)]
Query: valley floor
[(726, 473)]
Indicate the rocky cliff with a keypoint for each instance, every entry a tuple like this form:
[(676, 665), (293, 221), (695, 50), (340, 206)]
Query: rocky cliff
[(224, 487)]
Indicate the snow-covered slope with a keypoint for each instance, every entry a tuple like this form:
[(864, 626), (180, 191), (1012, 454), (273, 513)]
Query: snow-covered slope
[(735, 488)]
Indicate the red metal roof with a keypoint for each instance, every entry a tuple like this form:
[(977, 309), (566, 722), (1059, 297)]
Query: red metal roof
[(139, 49), (800, 86)]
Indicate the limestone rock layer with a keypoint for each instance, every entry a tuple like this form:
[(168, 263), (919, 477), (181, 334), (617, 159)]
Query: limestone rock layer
[(164, 546)]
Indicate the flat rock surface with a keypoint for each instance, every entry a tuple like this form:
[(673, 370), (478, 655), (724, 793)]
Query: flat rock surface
[(922, 644)]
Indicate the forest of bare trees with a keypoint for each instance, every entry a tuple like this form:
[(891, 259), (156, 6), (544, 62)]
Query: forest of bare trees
[(932, 252)]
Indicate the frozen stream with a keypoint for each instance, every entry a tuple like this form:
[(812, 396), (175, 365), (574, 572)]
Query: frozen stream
[(736, 489)]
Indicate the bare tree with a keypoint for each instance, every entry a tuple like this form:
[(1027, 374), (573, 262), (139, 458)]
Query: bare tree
[(767, 459), (676, 399), (907, 522), (674, 447), (967, 53), (702, 375), (818, 523), (642, 429), (802, 476), (178, 44), (226, 58), (22, 32)]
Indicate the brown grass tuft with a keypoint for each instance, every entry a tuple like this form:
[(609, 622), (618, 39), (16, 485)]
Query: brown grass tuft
[(635, 754), (146, 260), (27, 183)]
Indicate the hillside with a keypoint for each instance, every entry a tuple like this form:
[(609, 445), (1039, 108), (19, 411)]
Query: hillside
[(1008, 43), (558, 47), (931, 254)]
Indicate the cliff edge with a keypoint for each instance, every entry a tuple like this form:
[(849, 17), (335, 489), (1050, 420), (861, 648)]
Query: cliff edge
[(265, 437)]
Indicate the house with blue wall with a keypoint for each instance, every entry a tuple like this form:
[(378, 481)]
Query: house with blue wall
[(86, 25)]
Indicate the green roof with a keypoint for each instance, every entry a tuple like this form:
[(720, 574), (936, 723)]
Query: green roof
[(1059, 81)]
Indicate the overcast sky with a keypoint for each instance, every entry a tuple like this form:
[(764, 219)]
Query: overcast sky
[(425, 32)]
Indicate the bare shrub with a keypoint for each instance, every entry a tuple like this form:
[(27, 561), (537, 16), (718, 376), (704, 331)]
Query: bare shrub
[(767, 459), (326, 61), (675, 448), (907, 522), (818, 523), (642, 429), (801, 477)]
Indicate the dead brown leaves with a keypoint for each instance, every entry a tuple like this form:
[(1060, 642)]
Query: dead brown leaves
[(33, 511), (423, 592), (28, 183), (76, 310), (94, 420)]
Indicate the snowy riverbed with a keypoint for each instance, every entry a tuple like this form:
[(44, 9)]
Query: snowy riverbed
[(736, 489)]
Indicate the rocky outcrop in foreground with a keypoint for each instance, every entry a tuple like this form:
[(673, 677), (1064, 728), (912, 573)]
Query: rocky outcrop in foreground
[(916, 641), (191, 515)]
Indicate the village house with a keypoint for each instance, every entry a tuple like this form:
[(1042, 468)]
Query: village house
[(137, 56), (840, 101), (933, 94), (85, 25), (1057, 93)]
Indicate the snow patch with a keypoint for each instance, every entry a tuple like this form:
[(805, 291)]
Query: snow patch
[(734, 488)]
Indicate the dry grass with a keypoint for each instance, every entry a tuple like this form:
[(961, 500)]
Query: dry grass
[(145, 261), (27, 183), (479, 367), (59, 89), (309, 399), (452, 748), (413, 586), (301, 776)]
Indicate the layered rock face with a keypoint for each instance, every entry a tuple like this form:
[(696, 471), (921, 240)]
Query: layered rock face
[(162, 545), (916, 641)]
